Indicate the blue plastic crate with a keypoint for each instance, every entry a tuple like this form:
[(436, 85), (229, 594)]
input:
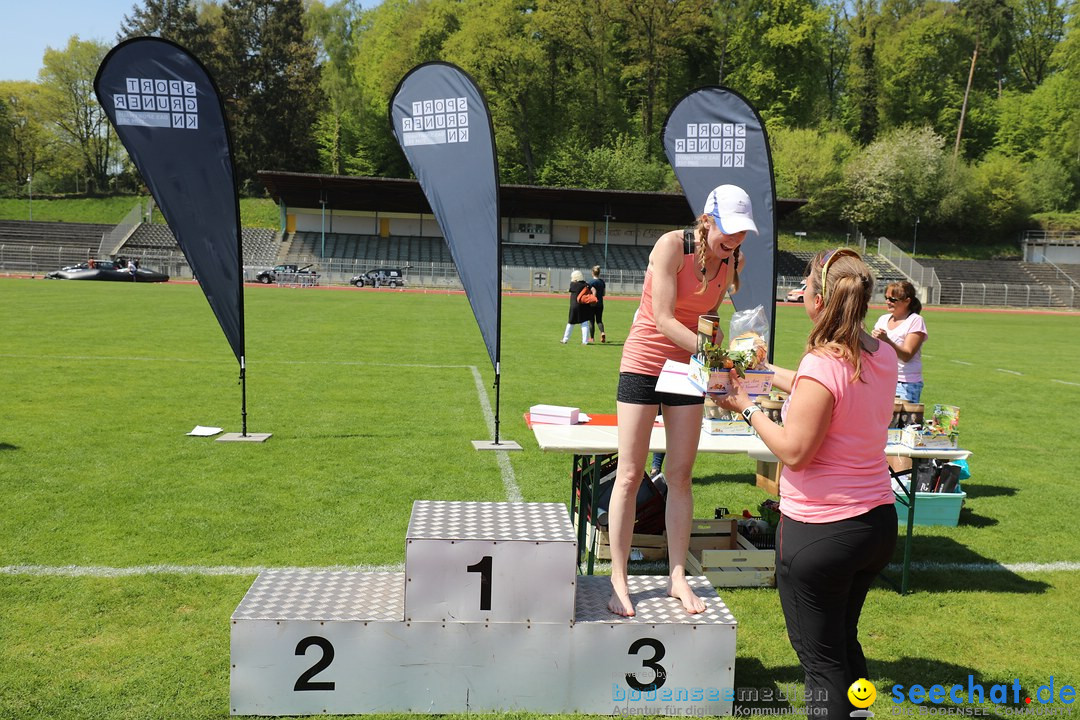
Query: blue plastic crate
[(934, 508)]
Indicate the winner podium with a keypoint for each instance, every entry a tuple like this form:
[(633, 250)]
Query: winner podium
[(489, 615)]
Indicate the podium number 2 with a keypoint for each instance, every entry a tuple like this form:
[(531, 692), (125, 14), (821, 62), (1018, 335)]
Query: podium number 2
[(304, 681), (652, 663), (484, 568)]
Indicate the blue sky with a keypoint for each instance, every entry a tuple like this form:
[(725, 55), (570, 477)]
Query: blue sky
[(27, 27)]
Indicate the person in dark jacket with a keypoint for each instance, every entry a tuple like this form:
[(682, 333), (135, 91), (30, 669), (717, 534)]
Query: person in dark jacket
[(599, 288)]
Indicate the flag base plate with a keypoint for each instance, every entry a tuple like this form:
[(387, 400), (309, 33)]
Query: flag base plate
[(492, 445), (250, 437)]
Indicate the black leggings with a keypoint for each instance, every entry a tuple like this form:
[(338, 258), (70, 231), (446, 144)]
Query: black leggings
[(823, 573)]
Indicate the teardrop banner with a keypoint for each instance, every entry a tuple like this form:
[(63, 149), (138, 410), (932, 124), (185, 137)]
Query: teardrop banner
[(168, 114), (713, 136), (440, 118)]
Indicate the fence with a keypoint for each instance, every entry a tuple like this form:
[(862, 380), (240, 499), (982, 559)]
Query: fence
[(923, 277), (1018, 295), (38, 260)]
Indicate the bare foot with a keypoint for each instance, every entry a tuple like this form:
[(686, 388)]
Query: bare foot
[(620, 600), (679, 588)]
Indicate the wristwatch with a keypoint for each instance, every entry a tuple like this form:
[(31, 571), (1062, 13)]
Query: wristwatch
[(749, 413)]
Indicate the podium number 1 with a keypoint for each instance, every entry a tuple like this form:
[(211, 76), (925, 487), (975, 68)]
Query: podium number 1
[(484, 568)]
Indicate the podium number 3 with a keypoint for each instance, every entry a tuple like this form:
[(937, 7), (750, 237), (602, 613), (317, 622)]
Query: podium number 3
[(484, 568), (652, 663)]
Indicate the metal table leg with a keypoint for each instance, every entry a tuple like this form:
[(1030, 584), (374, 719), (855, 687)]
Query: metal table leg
[(907, 499)]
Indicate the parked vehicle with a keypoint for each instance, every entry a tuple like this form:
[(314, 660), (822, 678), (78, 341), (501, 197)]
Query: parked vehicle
[(269, 276), (390, 277), (797, 294), (105, 270)]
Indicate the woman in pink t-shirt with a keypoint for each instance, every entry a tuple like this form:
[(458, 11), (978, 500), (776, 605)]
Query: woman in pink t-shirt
[(689, 272), (904, 329), (838, 523)]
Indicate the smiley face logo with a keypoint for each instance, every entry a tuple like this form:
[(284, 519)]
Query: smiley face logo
[(862, 693)]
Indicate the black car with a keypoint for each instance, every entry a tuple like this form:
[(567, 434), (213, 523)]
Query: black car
[(268, 276), (105, 270), (389, 277)]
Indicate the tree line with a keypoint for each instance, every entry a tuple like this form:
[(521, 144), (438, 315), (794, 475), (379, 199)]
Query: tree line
[(961, 116)]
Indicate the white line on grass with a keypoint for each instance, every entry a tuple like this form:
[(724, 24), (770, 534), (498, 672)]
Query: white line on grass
[(214, 362), (208, 570), (101, 571), (660, 568), (1011, 372), (1065, 382), (513, 492), (958, 362)]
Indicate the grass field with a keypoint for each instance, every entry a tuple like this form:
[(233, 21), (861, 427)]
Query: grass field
[(125, 545)]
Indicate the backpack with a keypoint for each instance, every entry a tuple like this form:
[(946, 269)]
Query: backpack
[(651, 504), (586, 297)]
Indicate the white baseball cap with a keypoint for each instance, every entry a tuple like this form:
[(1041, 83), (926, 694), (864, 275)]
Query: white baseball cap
[(730, 206)]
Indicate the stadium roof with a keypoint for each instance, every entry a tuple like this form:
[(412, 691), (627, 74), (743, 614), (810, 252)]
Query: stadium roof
[(307, 190)]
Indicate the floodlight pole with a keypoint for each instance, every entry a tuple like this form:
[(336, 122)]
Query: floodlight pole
[(607, 219), (322, 201), (915, 237), (30, 194)]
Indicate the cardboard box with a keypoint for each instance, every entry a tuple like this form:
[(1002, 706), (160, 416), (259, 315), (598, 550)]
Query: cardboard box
[(718, 552), (554, 414), (716, 426), (896, 436), (933, 508), (913, 437), (708, 329), (718, 382)]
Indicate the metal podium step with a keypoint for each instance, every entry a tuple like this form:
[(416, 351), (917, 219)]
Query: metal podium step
[(315, 642)]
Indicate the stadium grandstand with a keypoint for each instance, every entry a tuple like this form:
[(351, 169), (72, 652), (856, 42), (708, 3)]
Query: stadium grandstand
[(343, 226)]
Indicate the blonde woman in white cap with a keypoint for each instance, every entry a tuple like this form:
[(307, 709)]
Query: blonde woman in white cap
[(689, 273)]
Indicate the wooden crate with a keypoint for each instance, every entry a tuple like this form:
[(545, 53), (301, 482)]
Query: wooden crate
[(768, 476), (727, 558), (652, 547)]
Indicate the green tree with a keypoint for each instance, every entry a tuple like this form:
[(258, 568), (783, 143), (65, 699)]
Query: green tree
[(895, 179), (657, 38), (924, 55), (1040, 26), (581, 77), (991, 22), (777, 60), (998, 192), (622, 164), (87, 144), (810, 164), (334, 29), (175, 20), (860, 101), (25, 143), (1048, 185), (268, 75), (496, 46), (387, 43)]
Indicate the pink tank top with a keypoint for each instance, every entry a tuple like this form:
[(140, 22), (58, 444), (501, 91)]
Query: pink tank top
[(646, 348)]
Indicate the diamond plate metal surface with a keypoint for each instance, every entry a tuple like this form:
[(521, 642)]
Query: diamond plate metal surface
[(651, 602), (528, 522), (324, 595)]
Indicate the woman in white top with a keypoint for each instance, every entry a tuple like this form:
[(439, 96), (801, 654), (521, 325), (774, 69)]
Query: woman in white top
[(904, 329)]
